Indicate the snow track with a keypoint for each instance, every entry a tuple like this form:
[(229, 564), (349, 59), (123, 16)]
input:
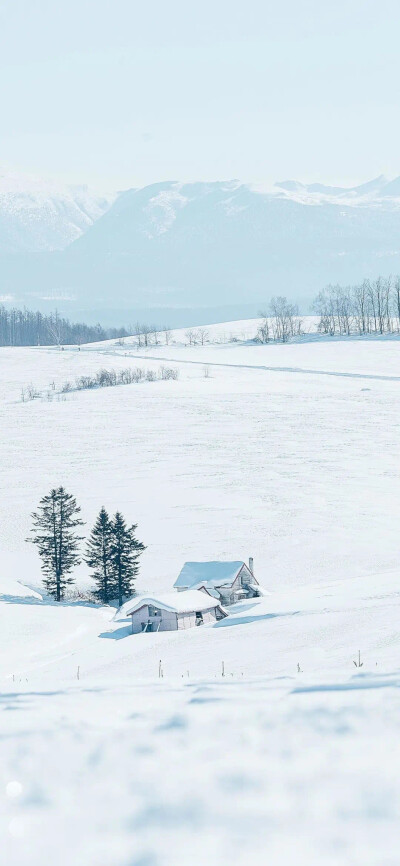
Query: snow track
[(274, 369)]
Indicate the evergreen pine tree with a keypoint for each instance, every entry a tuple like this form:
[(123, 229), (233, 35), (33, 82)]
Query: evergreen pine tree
[(126, 550), (57, 542), (99, 556)]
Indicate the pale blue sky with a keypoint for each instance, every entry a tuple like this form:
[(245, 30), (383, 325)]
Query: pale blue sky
[(117, 93)]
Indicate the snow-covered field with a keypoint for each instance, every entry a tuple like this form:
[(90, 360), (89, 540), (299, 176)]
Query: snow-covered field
[(286, 453)]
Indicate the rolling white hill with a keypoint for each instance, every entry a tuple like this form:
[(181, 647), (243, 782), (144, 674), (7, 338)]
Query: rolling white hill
[(287, 453)]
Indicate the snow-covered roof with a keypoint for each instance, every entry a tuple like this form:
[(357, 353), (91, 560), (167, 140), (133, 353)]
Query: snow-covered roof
[(210, 589), (177, 602), (208, 573)]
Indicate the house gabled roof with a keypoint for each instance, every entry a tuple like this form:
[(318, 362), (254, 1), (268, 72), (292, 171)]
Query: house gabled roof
[(209, 589), (176, 602), (208, 574)]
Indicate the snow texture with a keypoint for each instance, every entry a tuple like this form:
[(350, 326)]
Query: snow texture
[(263, 741)]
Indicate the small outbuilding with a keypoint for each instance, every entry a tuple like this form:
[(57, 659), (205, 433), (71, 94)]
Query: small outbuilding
[(229, 582), (171, 612)]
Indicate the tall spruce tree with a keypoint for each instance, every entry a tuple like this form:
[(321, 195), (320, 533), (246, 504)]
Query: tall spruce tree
[(54, 525), (99, 550), (126, 550)]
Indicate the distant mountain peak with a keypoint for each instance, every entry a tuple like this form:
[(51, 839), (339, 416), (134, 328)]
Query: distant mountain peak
[(175, 244), (290, 185), (377, 188), (40, 215)]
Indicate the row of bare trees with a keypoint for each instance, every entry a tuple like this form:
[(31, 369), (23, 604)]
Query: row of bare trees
[(29, 328), (371, 307), (102, 379), (197, 336), (151, 335), (280, 321)]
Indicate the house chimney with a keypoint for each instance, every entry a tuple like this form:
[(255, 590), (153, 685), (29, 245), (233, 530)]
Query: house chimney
[(251, 565)]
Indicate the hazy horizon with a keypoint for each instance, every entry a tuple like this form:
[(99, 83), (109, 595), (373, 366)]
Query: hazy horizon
[(10, 173), (132, 96)]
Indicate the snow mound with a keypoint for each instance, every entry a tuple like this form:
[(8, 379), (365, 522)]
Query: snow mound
[(177, 602), (11, 588)]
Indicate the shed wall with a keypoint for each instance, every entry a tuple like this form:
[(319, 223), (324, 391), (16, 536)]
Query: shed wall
[(186, 620), (167, 621)]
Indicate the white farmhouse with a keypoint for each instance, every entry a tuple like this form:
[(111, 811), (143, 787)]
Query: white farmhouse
[(229, 582), (170, 612)]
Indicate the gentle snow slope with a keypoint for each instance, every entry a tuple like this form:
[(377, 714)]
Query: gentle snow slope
[(285, 453)]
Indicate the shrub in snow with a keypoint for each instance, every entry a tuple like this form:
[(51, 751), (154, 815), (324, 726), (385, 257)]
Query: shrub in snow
[(104, 379), (29, 393), (168, 373)]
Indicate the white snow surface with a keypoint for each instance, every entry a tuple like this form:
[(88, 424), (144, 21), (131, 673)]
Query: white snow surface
[(263, 741)]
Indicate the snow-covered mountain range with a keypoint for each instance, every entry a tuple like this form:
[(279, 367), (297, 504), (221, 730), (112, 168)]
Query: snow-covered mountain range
[(379, 192), (38, 215), (171, 245)]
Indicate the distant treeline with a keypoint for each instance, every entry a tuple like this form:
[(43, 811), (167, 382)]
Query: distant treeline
[(371, 307), (27, 328)]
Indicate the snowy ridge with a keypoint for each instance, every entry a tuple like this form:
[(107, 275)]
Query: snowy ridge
[(176, 245), (162, 209), (41, 215), (379, 192)]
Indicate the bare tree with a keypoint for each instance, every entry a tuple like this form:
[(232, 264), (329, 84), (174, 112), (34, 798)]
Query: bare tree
[(155, 333), (378, 301), (361, 307), (343, 309), (323, 306), (167, 334), (138, 334), (146, 334), (55, 328), (203, 335), (191, 336), (387, 288), (263, 333), (284, 323), (366, 308), (397, 301)]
